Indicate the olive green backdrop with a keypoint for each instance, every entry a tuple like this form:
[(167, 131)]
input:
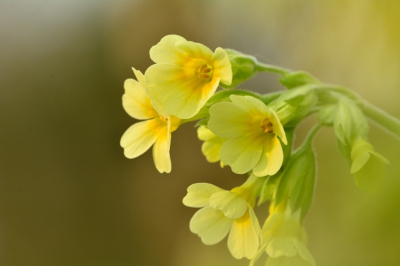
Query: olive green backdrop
[(68, 196)]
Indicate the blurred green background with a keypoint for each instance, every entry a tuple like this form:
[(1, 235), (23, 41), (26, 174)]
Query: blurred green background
[(68, 196)]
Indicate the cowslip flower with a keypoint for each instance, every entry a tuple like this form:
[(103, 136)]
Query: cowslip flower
[(224, 212), (185, 76), (368, 166), (351, 128), (156, 129), (212, 144), (252, 130), (284, 239)]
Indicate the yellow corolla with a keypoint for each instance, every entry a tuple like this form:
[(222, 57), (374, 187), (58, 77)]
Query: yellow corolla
[(368, 166), (155, 130), (185, 76), (252, 130), (212, 144), (284, 239), (224, 212)]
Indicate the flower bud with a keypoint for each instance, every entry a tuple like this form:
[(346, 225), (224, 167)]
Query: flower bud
[(243, 67), (349, 122), (296, 79), (293, 105)]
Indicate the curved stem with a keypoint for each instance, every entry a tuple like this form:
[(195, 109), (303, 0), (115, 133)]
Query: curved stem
[(311, 135), (270, 68), (383, 119)]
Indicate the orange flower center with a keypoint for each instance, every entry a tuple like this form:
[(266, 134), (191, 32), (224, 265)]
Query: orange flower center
[(205, 72), (165, 119), (267, 126)]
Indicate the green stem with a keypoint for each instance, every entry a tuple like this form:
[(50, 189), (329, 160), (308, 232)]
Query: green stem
[(388, 122), (348, 93), (383, 119), (311, 135), (270, 68)]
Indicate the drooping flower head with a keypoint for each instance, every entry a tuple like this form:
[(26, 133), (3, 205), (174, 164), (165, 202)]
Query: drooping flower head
[(252, 130), (156, 130), (224, 212), (284, 239), (185, 76), (368, 166)]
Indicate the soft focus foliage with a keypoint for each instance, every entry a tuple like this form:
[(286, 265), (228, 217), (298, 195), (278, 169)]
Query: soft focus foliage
[(70, 196)]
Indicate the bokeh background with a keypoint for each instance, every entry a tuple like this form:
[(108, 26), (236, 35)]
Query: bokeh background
[(68, 196)]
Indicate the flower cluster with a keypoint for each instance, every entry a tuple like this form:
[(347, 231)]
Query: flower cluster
[(253, 135)]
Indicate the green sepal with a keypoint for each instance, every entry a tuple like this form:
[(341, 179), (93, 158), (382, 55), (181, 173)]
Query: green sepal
[(297, 183), (326, 115), (326, 97), (344, 150), (349, 123), (294, 105), (287, 149), (202, 122), (243, 66), (268, 188), (296, 79)]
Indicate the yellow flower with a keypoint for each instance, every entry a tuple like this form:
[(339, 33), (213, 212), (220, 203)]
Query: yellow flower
[(155, 130), (252, 130), (212, 144), (284, 240), (224, 212), (185, 76), (368, 166)]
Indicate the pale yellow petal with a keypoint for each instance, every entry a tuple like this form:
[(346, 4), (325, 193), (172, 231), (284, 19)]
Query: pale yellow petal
[(199, 194), (212, 146), (166, 51), (281, 246), (271, 158), (278, 128), (243, 240), (210, 225), (254, 221), (178, 93), (232, 205), (241, 153), (211, 149), (370, 177), (359, 162), (139, 137), (254, 106), (203, 133), (161, 156), (257, 108), (196, 50), (140, 77), (228, 120), (136, 102), (270, 224), (222, 66), (305, 253)]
